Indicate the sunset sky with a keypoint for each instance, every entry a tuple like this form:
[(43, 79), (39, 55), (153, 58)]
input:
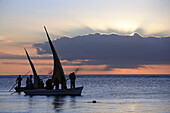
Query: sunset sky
[(96, 36)]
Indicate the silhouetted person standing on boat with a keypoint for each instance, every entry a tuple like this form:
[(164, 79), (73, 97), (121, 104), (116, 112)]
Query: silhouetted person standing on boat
[(72, 78), (49, 85), (41, 84), (19, 79), (31, 84), (28, 83), (36, 81), (63, 83), (56, 83), (31, 77)]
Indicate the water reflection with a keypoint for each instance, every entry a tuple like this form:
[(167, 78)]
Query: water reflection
[(64, 103), (72, 101), (59, 103), (50, 103), (31, 104)]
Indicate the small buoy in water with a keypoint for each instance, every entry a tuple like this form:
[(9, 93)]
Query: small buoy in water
[(94, 101)]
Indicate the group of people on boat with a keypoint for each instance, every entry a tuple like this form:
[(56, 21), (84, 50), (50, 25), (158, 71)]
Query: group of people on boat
[(29, 84), (38, 83)]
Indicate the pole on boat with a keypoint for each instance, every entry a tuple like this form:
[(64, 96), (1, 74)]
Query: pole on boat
[(75, 71), (17, 82), (48, 75), (13, 93)]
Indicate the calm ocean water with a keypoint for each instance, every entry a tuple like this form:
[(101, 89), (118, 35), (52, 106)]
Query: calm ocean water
[(114, 94)]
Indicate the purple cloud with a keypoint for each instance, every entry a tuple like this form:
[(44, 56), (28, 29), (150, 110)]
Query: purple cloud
[(113, 50)]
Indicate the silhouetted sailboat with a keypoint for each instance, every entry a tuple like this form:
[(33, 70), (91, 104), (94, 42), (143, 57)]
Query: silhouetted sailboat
[(58, 73), (34, 73)]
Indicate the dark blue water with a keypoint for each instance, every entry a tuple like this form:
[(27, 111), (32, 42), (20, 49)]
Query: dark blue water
[(114, 94)]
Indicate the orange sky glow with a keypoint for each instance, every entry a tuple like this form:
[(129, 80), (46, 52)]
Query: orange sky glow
[(46, 66)]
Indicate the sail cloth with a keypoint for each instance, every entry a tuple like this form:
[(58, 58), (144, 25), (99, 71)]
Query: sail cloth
[(32, 65), (33, 70), (58, 72)]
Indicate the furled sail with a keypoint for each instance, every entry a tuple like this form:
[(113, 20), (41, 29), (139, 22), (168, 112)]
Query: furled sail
[(36, 77), (32, 65), (58, 72)]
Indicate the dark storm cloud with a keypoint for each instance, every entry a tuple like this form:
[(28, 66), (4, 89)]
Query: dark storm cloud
[(113, 50)]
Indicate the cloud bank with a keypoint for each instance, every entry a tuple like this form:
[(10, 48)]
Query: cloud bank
[(115, 51)]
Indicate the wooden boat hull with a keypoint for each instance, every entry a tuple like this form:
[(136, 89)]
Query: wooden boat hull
[(21, 89), (74, 91)]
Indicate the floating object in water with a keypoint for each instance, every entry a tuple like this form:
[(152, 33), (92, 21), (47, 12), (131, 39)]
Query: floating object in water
[(94, 101)]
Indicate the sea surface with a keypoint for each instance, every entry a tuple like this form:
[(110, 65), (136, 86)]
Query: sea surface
[(112, 93)]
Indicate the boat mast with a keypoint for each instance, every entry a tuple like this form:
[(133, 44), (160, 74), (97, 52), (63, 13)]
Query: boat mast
[(58, 72), (36, 77), (32, 65)]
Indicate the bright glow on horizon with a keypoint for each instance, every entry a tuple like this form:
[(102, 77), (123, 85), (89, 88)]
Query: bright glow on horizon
[(23, 20)]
